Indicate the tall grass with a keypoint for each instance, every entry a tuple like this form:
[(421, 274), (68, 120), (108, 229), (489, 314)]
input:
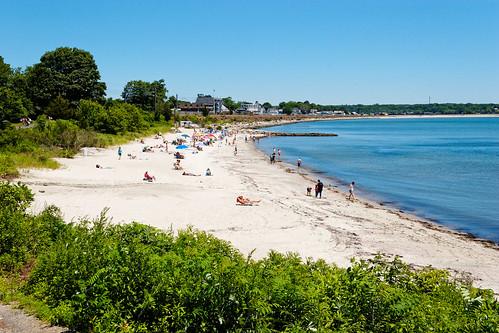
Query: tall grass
[(36, 147)]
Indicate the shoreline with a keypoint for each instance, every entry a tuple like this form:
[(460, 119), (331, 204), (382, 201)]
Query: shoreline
[(433, 224), (286, 220)]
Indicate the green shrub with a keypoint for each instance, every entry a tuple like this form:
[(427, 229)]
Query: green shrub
[(22, 236), (99, 277)]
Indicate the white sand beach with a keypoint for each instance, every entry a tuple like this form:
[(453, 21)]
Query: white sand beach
[(331, 228)]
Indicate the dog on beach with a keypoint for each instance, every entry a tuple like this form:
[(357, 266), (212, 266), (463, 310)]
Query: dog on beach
[(309, 191)]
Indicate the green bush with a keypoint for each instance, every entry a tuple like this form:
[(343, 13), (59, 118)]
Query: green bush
[(99, 277), (120, 118), (22, 236)]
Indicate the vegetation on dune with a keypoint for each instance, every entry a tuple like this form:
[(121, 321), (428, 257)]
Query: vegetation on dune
[(96, 277), (65, 95)]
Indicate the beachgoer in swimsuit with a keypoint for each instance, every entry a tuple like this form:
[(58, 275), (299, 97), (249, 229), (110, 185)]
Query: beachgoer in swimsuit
[(245, 201), (351, 195), (189, 174), (148, 177)]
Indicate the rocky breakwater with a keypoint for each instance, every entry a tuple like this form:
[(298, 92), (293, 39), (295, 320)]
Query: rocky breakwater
[(297, 134)]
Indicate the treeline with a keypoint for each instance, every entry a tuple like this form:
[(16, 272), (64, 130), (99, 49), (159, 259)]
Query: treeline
[(64, 84), (418, 109), (58, 105), (395, 109), (92, 276)]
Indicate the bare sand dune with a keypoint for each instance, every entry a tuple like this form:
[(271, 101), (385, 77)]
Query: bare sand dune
[(331, 228)]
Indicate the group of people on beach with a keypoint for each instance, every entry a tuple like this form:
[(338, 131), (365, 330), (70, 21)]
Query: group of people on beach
[(241, 200)]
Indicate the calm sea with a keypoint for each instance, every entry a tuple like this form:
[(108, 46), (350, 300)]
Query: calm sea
[(444, 169)]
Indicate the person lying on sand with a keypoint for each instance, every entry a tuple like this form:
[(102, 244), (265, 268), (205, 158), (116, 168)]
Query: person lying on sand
[(240, 200), (189, 174), (178, 155), (132, 157), (148, 177)]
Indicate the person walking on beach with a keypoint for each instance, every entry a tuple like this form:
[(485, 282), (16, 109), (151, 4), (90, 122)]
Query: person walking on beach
[(235, 150), (351, 195), (318, 189), (120, 152), (279, 154), (298, 163)]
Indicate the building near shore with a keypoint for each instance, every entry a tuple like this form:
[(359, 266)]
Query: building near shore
[(250, 108), (203, 102)]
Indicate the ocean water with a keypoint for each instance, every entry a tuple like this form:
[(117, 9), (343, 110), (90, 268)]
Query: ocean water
[(443, 169)]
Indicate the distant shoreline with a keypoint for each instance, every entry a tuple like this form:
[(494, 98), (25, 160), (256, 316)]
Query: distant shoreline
[(258, 124)]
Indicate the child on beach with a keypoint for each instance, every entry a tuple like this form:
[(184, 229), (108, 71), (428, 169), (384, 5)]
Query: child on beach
[(351, 195)]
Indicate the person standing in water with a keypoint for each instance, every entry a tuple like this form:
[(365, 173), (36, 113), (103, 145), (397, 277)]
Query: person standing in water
[(351, 195), (120, 152), (298, 163)]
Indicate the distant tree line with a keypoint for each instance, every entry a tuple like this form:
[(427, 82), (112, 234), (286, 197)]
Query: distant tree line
[(417, 109)]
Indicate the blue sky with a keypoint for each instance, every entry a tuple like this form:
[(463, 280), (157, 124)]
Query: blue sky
[(330, 52)]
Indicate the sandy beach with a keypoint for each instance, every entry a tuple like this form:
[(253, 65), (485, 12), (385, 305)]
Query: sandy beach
[(331, 228)]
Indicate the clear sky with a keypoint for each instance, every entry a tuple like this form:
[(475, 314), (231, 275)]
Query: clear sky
[(330, 52)]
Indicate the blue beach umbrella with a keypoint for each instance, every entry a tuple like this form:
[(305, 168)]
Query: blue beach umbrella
[(185, 135), (182, 147)]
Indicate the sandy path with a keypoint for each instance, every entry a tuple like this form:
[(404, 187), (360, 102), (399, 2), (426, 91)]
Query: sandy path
[(331, 228)]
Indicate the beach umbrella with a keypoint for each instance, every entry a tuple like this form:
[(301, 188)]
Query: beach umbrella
[(181, 147), (186, 135)]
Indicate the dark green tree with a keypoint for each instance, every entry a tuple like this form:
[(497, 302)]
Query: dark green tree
[(231, 104), (13, 101), (60, 108), (267, 105), (67, 72), (149, 96)]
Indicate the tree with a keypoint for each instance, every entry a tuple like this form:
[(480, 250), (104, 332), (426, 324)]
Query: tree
[(67, 72), (149, 96), (60, 108), (267, 106), (88, 113), (13, 101), (230, 104)]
